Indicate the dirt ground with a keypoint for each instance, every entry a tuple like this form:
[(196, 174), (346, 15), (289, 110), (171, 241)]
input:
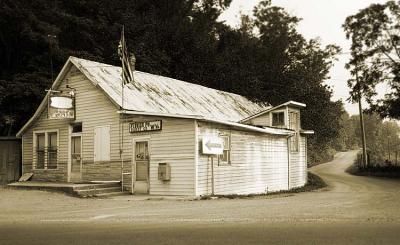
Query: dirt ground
[(353, 209)]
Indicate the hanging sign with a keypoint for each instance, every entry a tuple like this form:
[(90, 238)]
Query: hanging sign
[(136, 127), (61, 107), (212, 145)]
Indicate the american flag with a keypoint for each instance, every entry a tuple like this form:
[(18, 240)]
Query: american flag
[(127, 75)]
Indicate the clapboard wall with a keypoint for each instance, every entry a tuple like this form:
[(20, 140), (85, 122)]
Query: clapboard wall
[(174, 144), (259, 163), (298, 165), (29, 153), (93, 109)]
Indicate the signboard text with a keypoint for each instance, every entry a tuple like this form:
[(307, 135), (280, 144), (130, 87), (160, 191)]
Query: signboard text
[(61, 107), (135, 127)]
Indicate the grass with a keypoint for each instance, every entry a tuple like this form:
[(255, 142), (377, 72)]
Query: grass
[(389, 171), (314, 182)]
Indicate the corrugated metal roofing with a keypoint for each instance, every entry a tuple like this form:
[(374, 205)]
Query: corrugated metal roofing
[(157, 94)]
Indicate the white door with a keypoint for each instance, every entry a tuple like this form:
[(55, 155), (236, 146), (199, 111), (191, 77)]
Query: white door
[(141, 166), (76, 158)]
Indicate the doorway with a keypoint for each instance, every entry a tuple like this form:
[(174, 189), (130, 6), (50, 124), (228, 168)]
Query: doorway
[(141, 166), (76, 158)]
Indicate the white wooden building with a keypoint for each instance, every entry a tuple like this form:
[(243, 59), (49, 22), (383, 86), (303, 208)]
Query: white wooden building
[(165, 129)]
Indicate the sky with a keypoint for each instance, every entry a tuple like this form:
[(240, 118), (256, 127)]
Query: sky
[(321, 19)]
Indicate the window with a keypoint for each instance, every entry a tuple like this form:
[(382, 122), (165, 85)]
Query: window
[(77, 128), (52, 150), (40, 151), (142, 160), (294, 125), (226, 155), (278, 119), (102, 144), (46, 148), (142, 151)]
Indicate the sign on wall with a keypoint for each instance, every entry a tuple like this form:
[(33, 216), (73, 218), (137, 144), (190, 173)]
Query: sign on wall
[(136, 127), (61, 107), (212, 145)]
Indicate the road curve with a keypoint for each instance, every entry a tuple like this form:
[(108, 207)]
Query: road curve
[(352, 210)]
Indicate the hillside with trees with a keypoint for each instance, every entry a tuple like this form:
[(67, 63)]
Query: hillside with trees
[(375, 60), (265, 59)]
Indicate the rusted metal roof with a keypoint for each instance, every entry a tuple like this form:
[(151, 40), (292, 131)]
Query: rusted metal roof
[(167, 96), (163, 96)]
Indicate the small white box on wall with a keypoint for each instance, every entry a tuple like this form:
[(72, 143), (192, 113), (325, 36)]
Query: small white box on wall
[(164, 171)]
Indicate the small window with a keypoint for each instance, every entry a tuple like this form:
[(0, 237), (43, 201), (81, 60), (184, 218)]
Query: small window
[(278, 119), (225, 157), (77, 128), (142, 151)]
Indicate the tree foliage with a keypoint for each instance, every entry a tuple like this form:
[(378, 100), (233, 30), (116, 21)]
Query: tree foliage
[(383, 142), (375, 36), (265, 59)]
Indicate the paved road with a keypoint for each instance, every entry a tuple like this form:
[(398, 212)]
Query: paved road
[(352, 210)]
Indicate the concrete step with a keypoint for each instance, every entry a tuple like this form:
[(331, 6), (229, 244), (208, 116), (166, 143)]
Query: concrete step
[(96, 191)]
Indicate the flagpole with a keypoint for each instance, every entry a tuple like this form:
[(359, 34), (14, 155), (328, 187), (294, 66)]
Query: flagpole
[(122, 115), (126, 77)]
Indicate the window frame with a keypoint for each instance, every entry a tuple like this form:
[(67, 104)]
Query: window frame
[(278, 113), (228, 150), (37, 150), (46, 145)]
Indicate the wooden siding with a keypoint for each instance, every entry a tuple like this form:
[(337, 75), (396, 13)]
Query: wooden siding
[(298, 165), (259, 163), (262, 120), (174, 144), (93, 109), (29, 154)]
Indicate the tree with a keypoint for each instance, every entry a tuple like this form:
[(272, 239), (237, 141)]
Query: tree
[(383, 138), (266, 59), (293, 68), (375, 36), (171, 38)]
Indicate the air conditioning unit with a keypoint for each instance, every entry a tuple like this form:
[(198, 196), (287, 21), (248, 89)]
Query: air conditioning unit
[(164, 171)]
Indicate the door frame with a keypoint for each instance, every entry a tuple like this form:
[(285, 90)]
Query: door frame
[(133, 162), (70, 135)]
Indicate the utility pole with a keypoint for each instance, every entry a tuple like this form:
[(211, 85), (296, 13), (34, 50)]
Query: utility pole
[(364, 143), (388, 142)]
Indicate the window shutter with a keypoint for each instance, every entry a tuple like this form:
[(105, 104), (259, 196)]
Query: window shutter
[(102, 143)]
